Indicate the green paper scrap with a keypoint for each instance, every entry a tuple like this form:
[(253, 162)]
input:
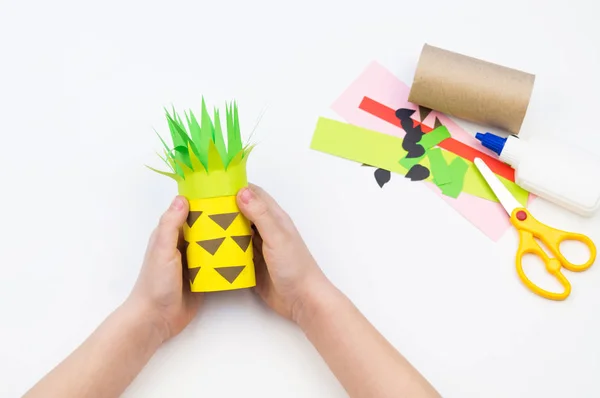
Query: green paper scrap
[(457, 170), (434, 137), (428, 141), (439, 167), (383, 151)]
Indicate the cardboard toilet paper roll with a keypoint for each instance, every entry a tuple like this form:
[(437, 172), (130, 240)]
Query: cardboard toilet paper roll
[(471, 89)]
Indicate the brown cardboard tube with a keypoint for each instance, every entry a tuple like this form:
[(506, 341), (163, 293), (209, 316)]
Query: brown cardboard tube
[(471, 89)]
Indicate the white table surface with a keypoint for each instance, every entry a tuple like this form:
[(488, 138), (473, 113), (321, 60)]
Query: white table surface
[(82, 86)]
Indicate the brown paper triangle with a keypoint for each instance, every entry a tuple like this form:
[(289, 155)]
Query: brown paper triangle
[(192, 217), (423, 113), (242, 241), (193, 273), (211, 245), (224, 220), (230, 273), (437, 123), (186, 244)]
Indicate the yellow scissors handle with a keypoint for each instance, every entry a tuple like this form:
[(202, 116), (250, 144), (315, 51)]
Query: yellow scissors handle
[(529, 228), (528, 245)]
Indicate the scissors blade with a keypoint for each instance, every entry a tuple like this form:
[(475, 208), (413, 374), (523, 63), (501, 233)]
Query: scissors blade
[(507, 199)]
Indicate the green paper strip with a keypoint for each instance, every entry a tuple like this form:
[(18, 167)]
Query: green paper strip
[(358, 144), (457, 169), (439, 167), (382, 151)]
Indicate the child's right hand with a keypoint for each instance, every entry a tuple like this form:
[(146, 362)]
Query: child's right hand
[(287, 276)]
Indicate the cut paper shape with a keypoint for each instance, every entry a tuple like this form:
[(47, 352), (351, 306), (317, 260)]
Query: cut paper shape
[(437, 123), (435, 137), (193, 272), (211, 245), (457, 169), (192, 217), (413, 134), (415, 151), (439, 168), (230, 273), (224, 220), (382, 177), (384, 112), (379, 83), (418, 173), (474, 182), (242, 241), (424, 112), (185, 245)]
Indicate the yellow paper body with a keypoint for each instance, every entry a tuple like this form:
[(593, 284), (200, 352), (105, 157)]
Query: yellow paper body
[(215, 268)]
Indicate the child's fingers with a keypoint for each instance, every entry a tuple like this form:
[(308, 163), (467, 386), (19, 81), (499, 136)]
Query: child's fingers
[(166, 234)]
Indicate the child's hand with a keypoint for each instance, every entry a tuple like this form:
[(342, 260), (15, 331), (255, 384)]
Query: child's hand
[(287, 276), (162, 290)]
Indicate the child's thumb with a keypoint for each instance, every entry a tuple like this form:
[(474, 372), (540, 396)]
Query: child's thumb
[(262, 210), (167, 232)]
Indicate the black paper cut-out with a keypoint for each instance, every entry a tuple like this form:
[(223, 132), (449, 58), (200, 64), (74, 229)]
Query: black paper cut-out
[(382, 177), (416, 151), (413, 133), (418, 173)]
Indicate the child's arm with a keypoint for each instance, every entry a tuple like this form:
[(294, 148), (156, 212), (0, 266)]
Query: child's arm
[(159, 307), (105, 364), (364, 362), (290, 282)]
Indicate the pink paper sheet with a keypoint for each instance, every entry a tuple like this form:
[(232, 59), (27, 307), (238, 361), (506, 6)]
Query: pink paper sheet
[(380, 84)]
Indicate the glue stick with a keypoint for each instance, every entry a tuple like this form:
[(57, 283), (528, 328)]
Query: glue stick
[(552, 170)]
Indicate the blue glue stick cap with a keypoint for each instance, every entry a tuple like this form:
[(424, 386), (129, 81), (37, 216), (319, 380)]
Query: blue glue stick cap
[(491, 142)]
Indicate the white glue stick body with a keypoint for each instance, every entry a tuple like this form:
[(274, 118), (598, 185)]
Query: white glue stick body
[(553, 170)]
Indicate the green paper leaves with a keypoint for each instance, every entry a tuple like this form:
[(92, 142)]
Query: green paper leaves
[(234, 140), (218, 139), (201, 146)]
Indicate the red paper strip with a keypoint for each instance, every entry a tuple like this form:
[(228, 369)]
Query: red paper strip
[(450, 144)]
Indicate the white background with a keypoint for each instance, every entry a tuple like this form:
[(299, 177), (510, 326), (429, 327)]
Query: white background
[(82, 86)]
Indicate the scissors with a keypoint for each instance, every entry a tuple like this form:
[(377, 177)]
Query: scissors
[(529, 229)]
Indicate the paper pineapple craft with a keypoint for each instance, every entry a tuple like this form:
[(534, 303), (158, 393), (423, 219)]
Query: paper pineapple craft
[(209, 174)]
